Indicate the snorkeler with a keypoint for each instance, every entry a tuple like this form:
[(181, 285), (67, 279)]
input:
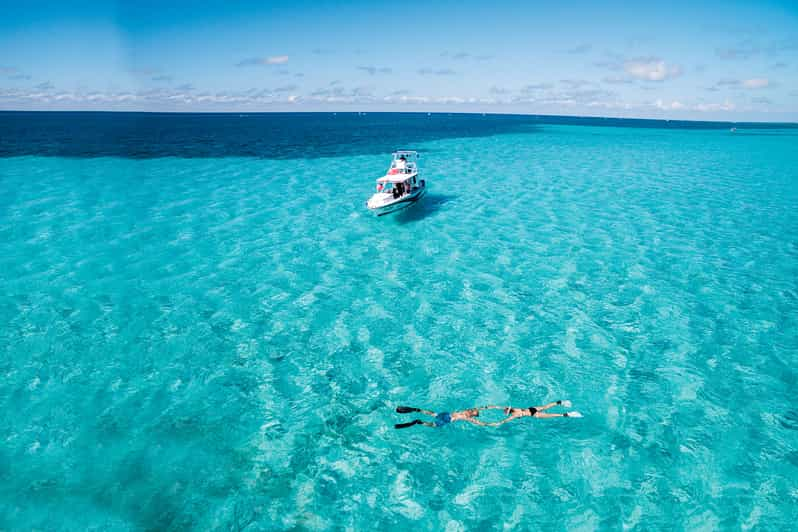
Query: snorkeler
[(440, 418), (534, 411), (470, 415)]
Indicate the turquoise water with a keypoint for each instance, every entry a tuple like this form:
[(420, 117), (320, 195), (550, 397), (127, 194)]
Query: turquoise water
[(220, 343)]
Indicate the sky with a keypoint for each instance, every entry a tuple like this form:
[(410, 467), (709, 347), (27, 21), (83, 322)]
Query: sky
[(695, 60)]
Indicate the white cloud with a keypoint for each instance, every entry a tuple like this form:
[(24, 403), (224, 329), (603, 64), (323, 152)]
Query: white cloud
[(752, 83), (445, 100), (499, 90), (436, 72), (742, 51), (576, 83), (338, 94), (13, 73), (257, 98), (404, 98), (751, 48), (651, 69), (271, 60), (672, 106), (706, 107), (574, 97), (462, 56), (372, 70), (532, 87), (451, 99), (154, 97), (756, 83), (617, 80)]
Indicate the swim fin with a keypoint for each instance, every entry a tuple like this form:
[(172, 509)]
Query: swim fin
[(405, 425), (566, 403), (572, 414), (406, 409)]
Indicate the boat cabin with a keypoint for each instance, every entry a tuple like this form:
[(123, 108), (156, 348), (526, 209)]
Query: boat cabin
[(397, 184)]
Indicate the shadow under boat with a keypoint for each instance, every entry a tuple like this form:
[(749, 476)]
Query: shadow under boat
[(427, 206)]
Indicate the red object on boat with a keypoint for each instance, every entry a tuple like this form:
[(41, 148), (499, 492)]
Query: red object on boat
[(393, 171)]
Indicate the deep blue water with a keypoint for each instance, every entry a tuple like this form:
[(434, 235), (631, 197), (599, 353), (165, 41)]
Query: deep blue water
[(201, 327), (280, 135)]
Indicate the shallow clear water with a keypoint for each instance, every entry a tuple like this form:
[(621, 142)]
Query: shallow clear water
[(214, 342)]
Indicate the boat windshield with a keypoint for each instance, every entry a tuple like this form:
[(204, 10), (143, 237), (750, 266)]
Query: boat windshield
[(395, 189)]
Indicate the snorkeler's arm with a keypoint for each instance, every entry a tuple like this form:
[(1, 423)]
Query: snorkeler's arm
[(491, 407), (478, 422)]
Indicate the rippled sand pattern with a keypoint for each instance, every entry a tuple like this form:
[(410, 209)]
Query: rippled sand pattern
[(220, 343)]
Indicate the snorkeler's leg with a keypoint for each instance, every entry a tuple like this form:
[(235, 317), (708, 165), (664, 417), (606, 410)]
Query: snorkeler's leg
[(414, 422), (492, 424), (567, 414), (566, 403), (410, 409)]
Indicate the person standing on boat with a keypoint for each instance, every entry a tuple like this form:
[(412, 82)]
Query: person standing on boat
[(401, 164)]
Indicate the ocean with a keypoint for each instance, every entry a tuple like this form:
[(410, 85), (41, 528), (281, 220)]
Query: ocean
[(202, 326)]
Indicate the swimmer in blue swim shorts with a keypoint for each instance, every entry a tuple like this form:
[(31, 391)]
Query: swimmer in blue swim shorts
[(439, 418)]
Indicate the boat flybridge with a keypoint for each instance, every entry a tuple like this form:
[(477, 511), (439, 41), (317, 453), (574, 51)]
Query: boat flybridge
[(400, 187)]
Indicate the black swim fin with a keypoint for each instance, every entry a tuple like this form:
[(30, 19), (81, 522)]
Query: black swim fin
[(410, 424), (406, 409)]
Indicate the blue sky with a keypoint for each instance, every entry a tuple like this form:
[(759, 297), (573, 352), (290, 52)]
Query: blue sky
[(681, 60)]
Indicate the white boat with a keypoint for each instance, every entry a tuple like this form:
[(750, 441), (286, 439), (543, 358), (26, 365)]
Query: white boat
[(400, 187)]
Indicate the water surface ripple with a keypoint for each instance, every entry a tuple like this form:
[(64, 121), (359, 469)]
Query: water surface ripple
[(219, 342)]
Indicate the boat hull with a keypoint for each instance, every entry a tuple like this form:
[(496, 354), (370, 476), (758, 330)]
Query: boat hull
[(401, 203)]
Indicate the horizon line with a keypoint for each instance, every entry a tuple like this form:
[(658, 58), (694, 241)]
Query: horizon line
[(593, 117)]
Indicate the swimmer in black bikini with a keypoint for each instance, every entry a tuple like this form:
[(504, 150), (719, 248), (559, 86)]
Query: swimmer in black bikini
[(470, 415), (533, 411)]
